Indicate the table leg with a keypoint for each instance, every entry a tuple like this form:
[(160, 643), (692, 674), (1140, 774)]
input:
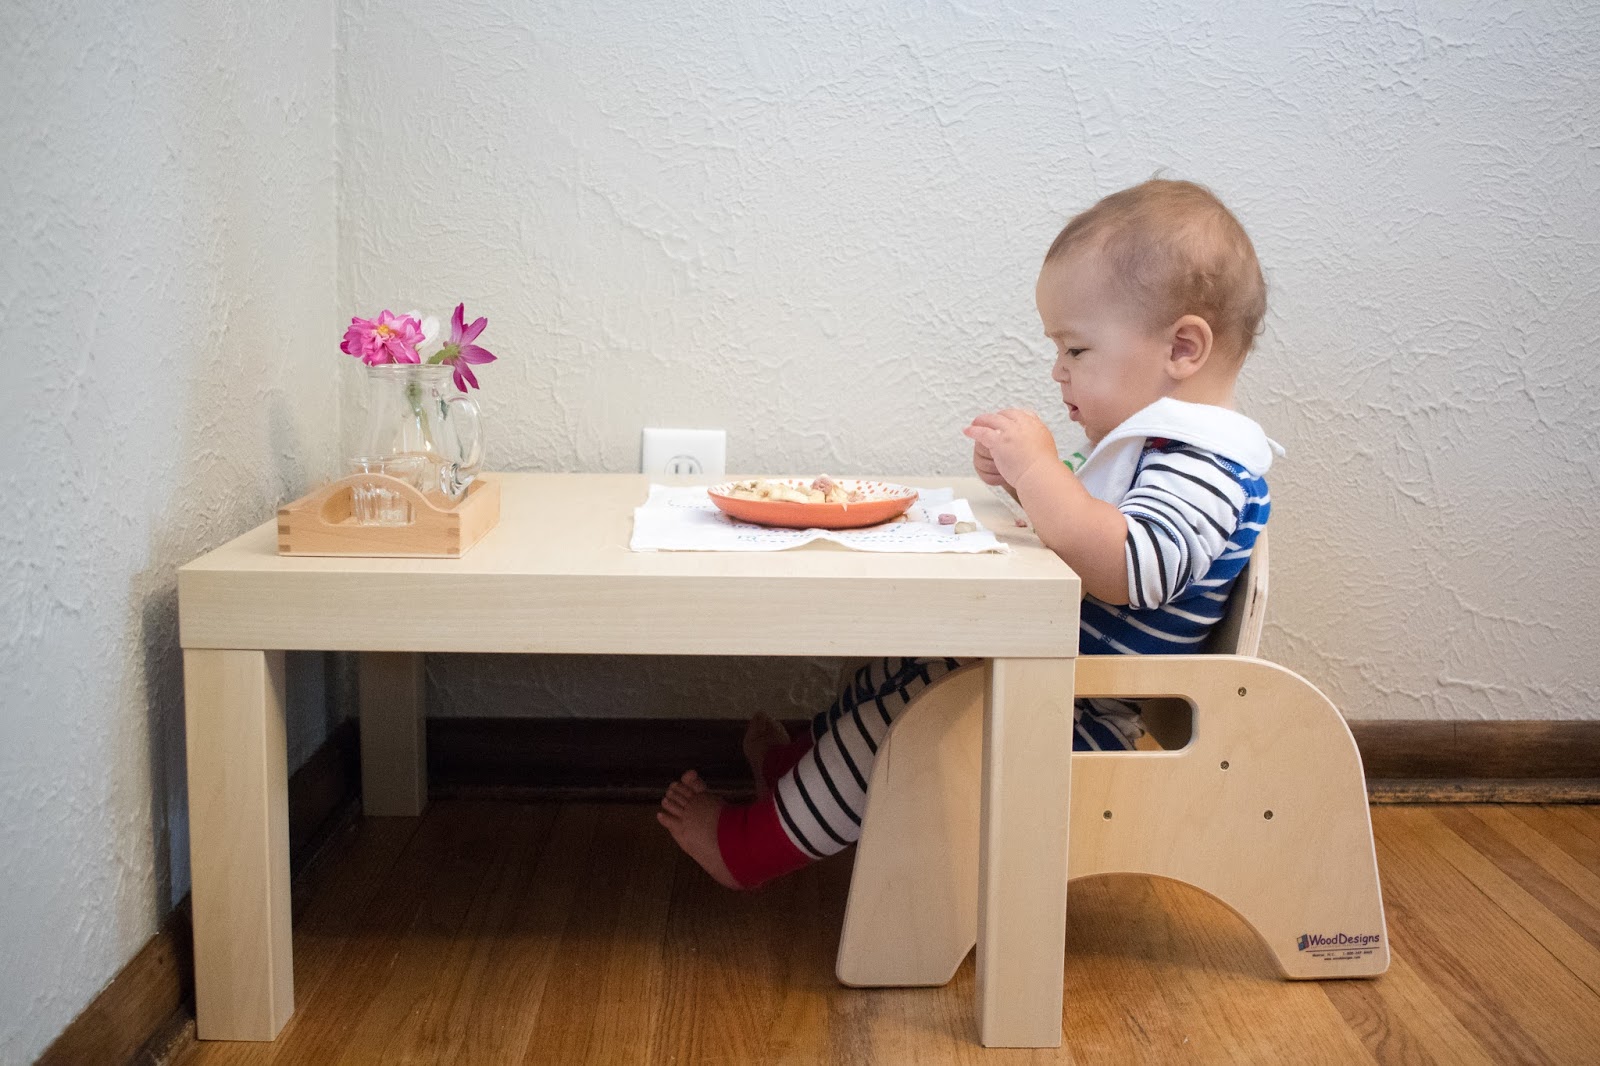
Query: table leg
[(394, 739), (1022, 855), (238, 843)]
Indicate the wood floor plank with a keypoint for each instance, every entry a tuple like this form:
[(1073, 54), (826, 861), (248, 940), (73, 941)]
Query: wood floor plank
[(601, 1001), (502, 932), (719, 970), (1557, 825), (630, 990), (1126, 999), (1265, 1019), (1401, 1021), (801, 1016), (482, 1005), (1582, 878), (450, 870), (369, 850), (1545, 871), (1515, 998), (1585, 817), (1552, 932)]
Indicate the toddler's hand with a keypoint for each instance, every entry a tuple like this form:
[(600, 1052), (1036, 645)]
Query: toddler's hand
[(983, 463), (1013, 440)]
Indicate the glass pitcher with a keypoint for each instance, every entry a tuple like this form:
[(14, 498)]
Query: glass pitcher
[(414, 409)]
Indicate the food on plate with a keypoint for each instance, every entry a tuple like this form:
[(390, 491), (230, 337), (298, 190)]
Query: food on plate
[(966, 527), (806, 503), (823, 490), (947, 519)]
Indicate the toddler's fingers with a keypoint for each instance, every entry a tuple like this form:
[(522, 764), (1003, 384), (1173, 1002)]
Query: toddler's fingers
[(993, 419), (984, 435)]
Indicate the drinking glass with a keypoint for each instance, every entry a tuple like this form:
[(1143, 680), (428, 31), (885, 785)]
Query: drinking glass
[(377, 503)]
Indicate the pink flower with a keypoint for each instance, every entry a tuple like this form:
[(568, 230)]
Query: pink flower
[(390, 338), (460, 352)]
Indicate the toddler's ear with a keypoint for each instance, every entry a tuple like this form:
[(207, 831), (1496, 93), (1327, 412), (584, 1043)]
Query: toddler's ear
[(1191, 347)]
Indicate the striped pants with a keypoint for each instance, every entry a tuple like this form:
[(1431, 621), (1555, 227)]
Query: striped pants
[(819, 781)]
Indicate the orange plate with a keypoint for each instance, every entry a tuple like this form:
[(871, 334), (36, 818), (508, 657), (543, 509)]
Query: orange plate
[(886, 502)]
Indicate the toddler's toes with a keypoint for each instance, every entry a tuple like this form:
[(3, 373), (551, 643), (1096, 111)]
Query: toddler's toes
[(694, 827), (677, 797), (761, 735), (682, 792)]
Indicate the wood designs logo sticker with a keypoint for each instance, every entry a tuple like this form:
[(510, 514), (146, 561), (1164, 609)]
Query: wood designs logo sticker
[(1339, 947)]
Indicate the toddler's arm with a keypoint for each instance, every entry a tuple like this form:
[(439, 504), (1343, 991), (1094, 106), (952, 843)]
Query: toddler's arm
[(1090, 535)]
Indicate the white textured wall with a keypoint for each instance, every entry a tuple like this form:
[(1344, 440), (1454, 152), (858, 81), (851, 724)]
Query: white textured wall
[(166, 258), (820, 230)]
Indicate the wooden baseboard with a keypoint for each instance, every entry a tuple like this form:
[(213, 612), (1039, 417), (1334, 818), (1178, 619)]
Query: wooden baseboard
[(1477, 750), (145, 1015), (570, 758), (1480, 762), (1398, 790), (634, 759)]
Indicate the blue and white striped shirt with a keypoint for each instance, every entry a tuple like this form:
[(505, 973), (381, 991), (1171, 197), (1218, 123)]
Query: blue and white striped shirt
[(1193, 517)]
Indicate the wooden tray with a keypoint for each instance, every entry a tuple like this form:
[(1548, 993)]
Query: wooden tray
[(321, 523)]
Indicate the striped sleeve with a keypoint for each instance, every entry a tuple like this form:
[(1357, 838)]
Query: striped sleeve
[(1182, 511)]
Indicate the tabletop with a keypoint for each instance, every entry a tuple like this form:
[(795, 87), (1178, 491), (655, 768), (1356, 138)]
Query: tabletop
[(556, 575)]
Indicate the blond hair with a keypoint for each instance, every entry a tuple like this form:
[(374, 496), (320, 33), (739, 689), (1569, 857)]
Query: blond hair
[(1177, 251)]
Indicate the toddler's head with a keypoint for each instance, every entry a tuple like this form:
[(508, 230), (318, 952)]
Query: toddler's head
[(1154, 291)]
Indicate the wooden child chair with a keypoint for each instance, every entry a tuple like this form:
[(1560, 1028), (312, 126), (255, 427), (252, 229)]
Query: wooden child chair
[(1255, 796)]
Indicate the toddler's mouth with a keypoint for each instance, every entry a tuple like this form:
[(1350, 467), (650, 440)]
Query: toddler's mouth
[(1072, 411)]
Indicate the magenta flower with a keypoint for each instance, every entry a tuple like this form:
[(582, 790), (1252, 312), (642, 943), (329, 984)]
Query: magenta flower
[(460, 351), (391, 338)]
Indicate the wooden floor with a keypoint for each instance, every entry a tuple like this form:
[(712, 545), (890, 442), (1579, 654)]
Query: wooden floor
[(496, 932)]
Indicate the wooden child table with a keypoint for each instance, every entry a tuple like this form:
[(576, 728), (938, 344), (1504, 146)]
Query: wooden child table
[(556, 575)]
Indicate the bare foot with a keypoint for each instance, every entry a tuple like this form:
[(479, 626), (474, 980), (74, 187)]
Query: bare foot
[(759, 736), (690, 814)]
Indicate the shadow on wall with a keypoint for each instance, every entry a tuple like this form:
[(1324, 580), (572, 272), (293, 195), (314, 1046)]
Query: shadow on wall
[(163, 700), (631, 686), (312, 708)]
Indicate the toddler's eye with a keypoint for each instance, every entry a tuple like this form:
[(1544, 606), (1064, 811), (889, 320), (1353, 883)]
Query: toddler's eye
[(1075, 352)]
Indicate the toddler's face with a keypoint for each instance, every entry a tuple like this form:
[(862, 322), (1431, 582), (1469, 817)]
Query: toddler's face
[(1108, 364)]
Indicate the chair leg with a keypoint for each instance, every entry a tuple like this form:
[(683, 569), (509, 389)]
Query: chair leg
[(912, 915), (1265, 740), (1274, 808)]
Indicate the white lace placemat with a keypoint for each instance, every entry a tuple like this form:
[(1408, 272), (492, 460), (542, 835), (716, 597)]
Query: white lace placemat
[(684, 519)]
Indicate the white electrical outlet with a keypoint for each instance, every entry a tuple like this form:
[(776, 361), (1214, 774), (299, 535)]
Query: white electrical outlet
[(695, 452)]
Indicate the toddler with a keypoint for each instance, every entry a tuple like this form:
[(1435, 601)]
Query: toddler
[(1153, 297)]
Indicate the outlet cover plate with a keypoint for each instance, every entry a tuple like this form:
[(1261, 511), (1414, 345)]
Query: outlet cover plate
[(692, 452)]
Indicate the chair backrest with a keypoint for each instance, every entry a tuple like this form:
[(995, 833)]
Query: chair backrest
[(1239, 632), (1170, 722)]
